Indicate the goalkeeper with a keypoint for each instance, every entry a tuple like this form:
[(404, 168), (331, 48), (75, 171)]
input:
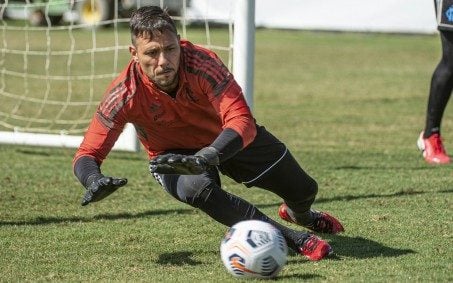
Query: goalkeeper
[(193, 121)]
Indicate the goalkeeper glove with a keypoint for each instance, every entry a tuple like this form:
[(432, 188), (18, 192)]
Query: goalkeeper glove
[(180, 164), (101, 188)]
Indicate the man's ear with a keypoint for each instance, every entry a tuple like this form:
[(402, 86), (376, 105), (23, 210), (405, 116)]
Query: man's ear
[(133, 52)]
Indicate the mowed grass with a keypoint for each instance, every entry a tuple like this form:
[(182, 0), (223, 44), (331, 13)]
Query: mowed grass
[(350, 108)]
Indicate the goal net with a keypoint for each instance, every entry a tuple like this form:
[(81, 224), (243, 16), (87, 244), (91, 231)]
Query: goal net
[(57, 58)]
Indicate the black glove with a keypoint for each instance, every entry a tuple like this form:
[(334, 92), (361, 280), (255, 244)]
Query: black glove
[(180, 164), (101, 188)]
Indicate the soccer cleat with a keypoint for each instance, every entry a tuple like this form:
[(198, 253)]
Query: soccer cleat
[(315, 248), (323, 222), (433, 150)]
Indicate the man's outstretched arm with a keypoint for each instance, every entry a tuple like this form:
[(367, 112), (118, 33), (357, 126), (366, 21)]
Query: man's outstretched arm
[(96, 184)]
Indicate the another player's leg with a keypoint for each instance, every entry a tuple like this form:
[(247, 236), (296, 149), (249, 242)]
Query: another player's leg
[(430, 141), (204, 192), (432, 149)]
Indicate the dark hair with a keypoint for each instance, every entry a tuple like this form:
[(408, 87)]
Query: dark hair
[(148, 20)]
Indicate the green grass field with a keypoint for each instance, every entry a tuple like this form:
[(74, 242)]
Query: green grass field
[(350, 108)]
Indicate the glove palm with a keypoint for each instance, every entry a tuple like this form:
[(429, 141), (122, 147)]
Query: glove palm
[(178, 164), (102, 188)]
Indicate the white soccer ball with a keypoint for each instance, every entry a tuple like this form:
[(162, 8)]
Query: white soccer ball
[(255, 249)]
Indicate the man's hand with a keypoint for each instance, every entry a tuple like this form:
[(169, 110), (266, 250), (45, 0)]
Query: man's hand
[(180, 164), (102, 188)]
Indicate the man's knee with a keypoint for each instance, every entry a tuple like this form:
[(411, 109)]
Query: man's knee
[(193, 189)]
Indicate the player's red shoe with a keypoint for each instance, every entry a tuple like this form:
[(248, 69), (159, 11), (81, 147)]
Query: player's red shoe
[(315, 248), (433, 150), (323, 223)]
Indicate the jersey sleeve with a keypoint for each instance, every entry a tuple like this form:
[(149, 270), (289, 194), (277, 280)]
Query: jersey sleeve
[(235, 113), (109, 120), (226, 97), (98, 140)]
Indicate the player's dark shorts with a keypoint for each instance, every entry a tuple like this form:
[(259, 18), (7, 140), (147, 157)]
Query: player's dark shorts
[(264, 155), (254, 161), (444, 14)]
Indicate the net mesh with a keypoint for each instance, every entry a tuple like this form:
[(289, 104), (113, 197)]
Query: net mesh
[(57, 58)]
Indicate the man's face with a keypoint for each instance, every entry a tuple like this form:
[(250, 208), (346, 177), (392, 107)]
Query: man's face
[(159, 58)]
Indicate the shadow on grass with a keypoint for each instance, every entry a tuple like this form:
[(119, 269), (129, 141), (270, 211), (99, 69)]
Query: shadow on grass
[(391, 195), (373, 168), (299, 276), (57, 220), (355, 247), (348, 247), (361, 248), (368, 196), (177, 258), (33, 152), (48, 152)]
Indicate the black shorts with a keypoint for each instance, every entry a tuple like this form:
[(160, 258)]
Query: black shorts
[(444, 14), (252, 162), (256, 159)]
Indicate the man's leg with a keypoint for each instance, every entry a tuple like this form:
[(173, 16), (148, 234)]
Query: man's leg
[(441, 86), (204, 192), (298, 190), (267, 163), (430, 141)]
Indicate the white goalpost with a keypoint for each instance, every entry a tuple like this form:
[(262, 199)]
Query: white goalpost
[(57, 58)]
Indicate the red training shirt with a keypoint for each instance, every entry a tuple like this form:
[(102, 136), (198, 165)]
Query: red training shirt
[(208, 100)]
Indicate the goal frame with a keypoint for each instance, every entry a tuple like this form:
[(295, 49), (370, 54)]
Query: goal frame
[(243, 71)]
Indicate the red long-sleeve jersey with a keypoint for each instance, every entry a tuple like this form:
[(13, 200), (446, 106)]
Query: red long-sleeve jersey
[(207, 101)]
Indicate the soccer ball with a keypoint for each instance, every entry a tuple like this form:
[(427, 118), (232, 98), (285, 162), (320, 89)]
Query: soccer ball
[(253, 249)]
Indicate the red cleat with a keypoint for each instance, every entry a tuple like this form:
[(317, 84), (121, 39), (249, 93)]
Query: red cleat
[(315, 248), (323, 223), (433, 150)]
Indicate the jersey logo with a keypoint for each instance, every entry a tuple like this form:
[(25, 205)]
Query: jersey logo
[(157, 111), (449, 14), (155, 107)]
